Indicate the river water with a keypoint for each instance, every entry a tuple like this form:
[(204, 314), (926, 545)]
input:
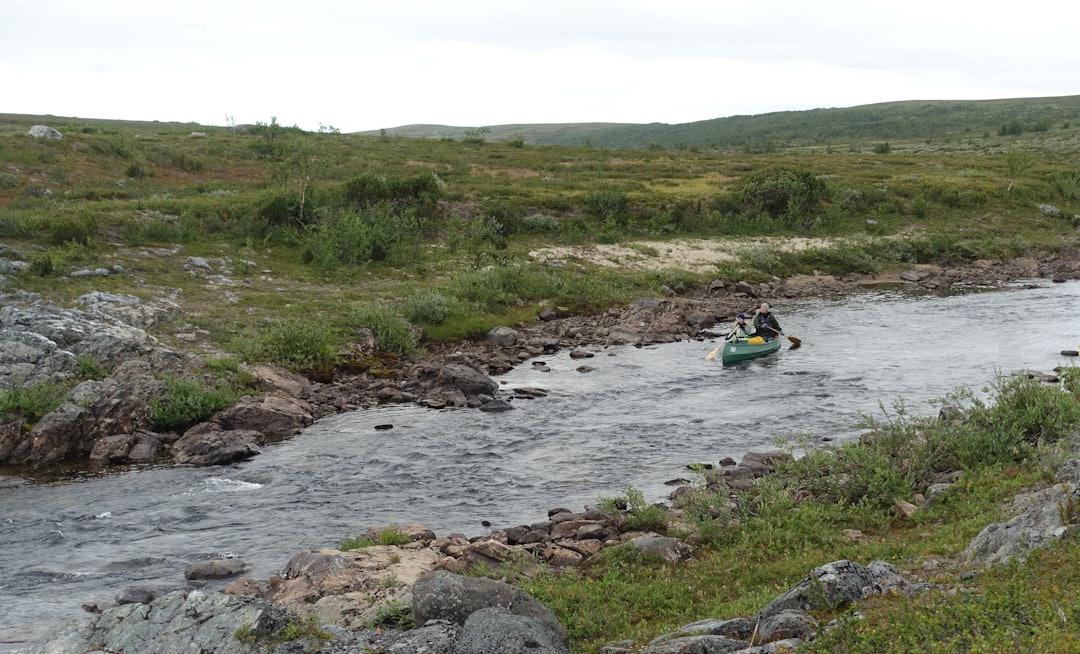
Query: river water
[(636, 420)]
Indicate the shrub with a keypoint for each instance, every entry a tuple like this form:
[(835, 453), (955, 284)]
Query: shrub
[(608, 206), (296, 344), (78, 230), (31, 402), (428, 308), (1028, 410), (350, 238), (89, 367), (392, 331), (778, 191), (392, 535), (633, 513), (186, 402)]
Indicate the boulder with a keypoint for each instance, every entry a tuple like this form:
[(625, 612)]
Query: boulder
[(504, 336), (44, 132), (203, 446), (348, 588), (441, 595), (275, 416), (836, 585), (671, 550), (94, 410), (466, 379), (1038, 525), (214, 569), (495, 630)]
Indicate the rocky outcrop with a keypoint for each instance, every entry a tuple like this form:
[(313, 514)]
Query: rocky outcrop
[(177, 623), (442, 595)]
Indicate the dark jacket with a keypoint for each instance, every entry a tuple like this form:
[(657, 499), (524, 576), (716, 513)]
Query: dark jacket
[(766, 326)]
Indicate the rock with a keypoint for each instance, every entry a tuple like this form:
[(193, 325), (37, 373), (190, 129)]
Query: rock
[(695, 644), (347, 588), (441, 595), (496, 405), (214, 569), (281, 380), (135, 596), (141, 446), (789, 623), (44, 132), (671, 550), (275, 416), (467, 380), (41, 342), (495, 630), (203, 445), (176, 623), (836, 585), (503, 336), (94, 410), (1039, 524)]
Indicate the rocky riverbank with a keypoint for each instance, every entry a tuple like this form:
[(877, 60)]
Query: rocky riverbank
[(355, 601), (350, 589), (108, 421)]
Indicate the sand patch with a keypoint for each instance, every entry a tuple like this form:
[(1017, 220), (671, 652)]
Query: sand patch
[(695, 255)]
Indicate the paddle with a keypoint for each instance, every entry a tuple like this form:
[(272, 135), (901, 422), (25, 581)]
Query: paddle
[(712, 355), (795, 342)]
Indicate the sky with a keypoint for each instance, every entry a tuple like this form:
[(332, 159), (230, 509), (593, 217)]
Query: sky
[(364, 65)]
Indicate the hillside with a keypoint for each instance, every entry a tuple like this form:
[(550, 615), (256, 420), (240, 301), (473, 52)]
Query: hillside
[(836, 127)]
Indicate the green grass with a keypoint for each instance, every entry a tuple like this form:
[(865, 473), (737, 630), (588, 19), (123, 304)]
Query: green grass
[(796, 519)]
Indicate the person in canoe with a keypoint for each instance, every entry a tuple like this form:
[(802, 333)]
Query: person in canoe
[(765, 323), (741, 330)]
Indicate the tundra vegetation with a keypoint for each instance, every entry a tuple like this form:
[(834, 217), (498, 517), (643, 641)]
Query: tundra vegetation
[(330, 233)]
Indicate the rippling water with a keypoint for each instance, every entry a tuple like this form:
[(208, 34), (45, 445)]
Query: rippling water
[(637, 419)]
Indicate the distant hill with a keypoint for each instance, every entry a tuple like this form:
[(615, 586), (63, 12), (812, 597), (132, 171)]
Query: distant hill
[(889, 121)]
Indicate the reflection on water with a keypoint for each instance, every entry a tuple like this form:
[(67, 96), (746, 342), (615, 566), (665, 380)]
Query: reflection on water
[(637, 419)]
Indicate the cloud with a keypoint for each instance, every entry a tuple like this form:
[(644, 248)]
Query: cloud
[(365, 65)]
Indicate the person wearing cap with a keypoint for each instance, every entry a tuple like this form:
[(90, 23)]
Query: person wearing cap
[(741, 330), (765, 323)]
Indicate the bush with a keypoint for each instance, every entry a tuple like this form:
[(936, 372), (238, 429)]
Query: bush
[(187, 402), (351, 238), (608, 207), (392, 331), (31, 402), (295, 344), (67, 229), (633, 513), (778, 191), (428, 308)]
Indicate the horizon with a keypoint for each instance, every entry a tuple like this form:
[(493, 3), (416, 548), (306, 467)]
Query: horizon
[(364, 65)]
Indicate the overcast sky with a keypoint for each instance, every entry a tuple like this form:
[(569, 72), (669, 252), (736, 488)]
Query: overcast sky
[(367, 65)]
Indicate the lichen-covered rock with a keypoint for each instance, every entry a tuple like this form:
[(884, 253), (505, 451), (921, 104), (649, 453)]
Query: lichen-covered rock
[(442, 595)]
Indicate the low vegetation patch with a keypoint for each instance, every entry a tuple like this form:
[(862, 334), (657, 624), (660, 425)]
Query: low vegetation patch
[(802, 516), (185, 402)]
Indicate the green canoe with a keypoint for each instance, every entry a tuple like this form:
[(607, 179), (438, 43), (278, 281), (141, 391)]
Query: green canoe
[(741, 350)]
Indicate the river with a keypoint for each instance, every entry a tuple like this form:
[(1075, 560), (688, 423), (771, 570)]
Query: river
[(635, 420)]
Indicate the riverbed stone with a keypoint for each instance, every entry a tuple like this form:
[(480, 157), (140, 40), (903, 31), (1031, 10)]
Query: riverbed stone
[(201, 447), (214, 569)]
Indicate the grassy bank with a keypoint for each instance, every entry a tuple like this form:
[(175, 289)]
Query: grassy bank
[(836, 503)]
